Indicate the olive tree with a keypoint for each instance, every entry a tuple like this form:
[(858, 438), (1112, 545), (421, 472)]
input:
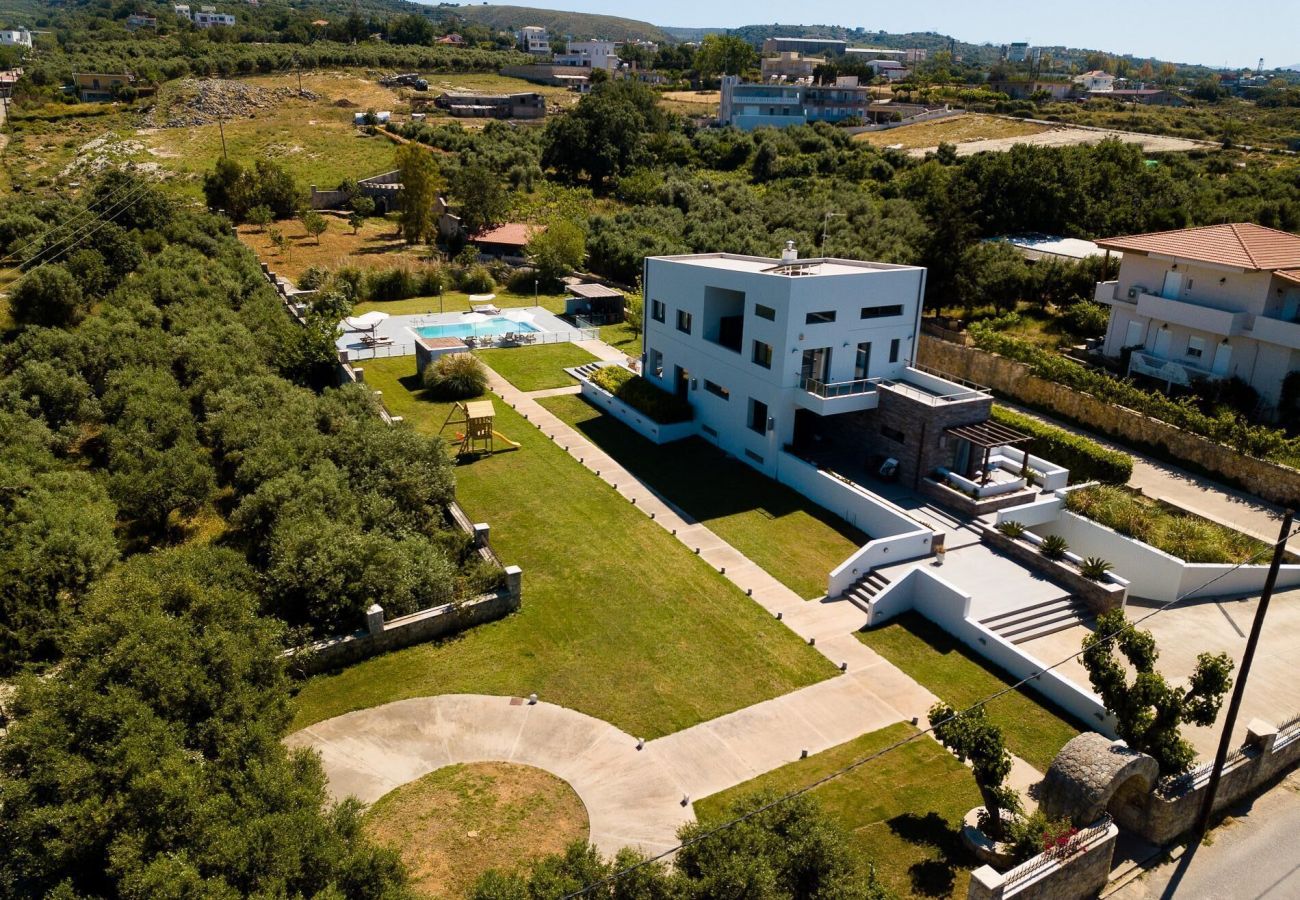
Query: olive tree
[(973, 737)]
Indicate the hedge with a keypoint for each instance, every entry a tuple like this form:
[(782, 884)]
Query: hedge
[(1086, 459), (642, 395)]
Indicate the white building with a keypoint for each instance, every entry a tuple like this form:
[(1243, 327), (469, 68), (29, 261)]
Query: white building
[(590, 55), (1016, 52), (787, 64), (1207, 303), (208, 16), (780, 355), (17, 37), (1096, 80), (181, 9), (534, 39), (139, 20)]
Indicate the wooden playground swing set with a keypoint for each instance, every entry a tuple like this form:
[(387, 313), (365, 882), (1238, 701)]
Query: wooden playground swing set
[(478, 436)]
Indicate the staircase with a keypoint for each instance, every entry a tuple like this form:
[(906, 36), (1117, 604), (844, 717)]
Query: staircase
[(865, 589), (1039, 620), (586, 371)]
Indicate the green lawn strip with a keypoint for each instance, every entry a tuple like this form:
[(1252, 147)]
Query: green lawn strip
[(936, 659), (537, 367), (621, 337), (619, 620), (788, 535), (458, 301), (902, 810)]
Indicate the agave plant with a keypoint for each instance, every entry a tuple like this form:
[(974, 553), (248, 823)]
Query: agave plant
[(1095, 568), (1054, 547), (1011, 528)]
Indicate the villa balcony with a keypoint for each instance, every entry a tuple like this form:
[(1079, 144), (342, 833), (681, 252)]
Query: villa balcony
[(1191, 315), (1276, 331), (1167, 370), (833, 398), (1107, 292)]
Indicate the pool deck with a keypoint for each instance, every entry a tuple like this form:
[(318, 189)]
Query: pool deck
[(400, 330)]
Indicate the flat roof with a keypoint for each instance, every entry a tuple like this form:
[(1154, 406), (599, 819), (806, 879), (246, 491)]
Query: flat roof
[(1034, 246), (593, 291), (761, 265)]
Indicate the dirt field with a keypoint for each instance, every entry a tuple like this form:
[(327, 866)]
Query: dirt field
[(956, 130), (376, 246), (690, 103), (454, 824)]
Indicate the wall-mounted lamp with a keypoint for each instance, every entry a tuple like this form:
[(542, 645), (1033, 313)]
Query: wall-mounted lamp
[(695, 383), (1174, 267), (1224, 342), (771, 424), (1164, 326), (1223, 280), (846, 343)]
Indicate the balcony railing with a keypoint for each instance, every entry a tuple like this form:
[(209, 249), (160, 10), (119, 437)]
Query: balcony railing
[(839, 388), (1169, 370)]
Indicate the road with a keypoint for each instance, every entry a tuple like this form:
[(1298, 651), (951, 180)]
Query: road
[(1254, 854)]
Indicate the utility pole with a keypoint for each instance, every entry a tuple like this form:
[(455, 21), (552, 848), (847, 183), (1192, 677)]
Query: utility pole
[(826, 221), (297, 65), (221, 127), (1239, 689)]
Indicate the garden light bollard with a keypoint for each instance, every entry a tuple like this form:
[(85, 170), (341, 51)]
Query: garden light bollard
[(532, 699)]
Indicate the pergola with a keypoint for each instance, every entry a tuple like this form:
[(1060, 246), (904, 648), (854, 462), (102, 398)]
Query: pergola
[(987, 435)]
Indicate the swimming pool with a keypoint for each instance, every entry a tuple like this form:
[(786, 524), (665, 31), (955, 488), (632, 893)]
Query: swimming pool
[(494, 325)]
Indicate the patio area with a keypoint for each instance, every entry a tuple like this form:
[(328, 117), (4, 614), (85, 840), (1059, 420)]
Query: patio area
[(396, 335)]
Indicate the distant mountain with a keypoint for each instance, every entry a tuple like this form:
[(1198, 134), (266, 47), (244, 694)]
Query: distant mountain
[(691, 35), (558, 23), (1295, 67)]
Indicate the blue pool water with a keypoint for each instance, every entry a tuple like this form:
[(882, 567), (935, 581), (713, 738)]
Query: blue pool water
[(494, 325)]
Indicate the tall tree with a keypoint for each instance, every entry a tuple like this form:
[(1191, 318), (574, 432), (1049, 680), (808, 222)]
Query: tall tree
[(421, 183), (724, 54), (972, 737), (482, 197)]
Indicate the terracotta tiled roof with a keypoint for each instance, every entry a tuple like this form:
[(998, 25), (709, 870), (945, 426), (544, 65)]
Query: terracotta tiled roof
[(513, 233), (1289, 274), (1245, 246)]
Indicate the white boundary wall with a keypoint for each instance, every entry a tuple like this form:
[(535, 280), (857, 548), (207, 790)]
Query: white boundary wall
[(638, 421), (945, 605)]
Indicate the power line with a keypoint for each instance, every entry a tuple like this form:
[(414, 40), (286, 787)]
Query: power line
[(856, 764), (84, 211)]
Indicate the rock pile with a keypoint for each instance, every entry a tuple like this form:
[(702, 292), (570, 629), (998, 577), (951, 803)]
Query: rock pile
[(205, 101)]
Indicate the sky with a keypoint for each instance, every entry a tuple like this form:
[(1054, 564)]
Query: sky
[(1210, 32)]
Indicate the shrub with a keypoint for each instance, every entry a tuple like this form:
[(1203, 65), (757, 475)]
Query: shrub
[(392, 284), (475, 279), (1086, 318), (1087, 460), (313, 277), (1094, 568), (1011, 528), (642, 395), (1054, 547), (456, 376), (1036, 833)]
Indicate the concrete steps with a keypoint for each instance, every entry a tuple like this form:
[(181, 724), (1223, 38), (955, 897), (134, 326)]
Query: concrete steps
[(1039, 620), (865, 589), (587, 370)]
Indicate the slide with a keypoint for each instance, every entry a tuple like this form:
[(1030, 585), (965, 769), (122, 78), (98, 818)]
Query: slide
[(501, 437)]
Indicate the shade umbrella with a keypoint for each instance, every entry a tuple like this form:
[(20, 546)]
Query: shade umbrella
[(366, 322)]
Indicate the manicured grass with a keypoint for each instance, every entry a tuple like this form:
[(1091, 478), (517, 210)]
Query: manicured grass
[(621, 337), (454, 824), (458, 301), (903, 810), (794, 539), (927, 653), (619, 620), (538, 367)]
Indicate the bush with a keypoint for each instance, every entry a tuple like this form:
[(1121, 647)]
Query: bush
[(1086, 319), (475, 279), (643, 396), (1054, 547), (1011, 528), (1035, 833), (313, 277), (1094, 568), (392, 284), (1087, 460), (456, 376)]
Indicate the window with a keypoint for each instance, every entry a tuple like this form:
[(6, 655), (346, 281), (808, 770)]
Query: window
[(893, 350), (711, 432), (893, 434), (754, 456), (862, 366), (655, 363), (762, 354), (717, 390), (820, 318), (881, 312), (1195, 347), (657, 310), (765, 312), (757, 416), (683, 321)]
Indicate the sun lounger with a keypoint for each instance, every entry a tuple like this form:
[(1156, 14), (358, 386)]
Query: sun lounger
[(486, 309)]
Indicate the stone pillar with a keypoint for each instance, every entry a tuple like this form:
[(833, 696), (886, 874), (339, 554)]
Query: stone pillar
[(986, 883), (514, 581), (481, 530), (375, 620), (1261, 735)]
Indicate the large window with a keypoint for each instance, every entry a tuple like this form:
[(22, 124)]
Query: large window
[(763, 354), (893, 350), (657, 310), (717, 390), (757, 416), (1195, 347), (683, 321), (765, 312), (881, 312), (862, 365), (820, 318), (655, 363)]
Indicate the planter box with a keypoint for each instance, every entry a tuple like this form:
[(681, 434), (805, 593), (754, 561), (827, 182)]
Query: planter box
[(1101, 596), (963, 503)]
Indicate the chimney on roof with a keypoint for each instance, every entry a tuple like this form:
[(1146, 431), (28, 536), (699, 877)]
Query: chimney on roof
[(789, 254)]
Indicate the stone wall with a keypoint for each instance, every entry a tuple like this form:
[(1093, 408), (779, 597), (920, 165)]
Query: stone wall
[(426, 625), (1280, 484), (924, 447), (1079, 874)]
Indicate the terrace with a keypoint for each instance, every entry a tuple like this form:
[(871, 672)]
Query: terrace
[(398, 335)]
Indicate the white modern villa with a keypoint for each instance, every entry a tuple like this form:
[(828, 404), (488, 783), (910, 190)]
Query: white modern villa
[(1207, 303)]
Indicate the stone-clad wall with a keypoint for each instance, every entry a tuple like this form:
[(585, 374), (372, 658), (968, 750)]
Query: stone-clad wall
[(1280, 484), (922, 425), (1080, 874)]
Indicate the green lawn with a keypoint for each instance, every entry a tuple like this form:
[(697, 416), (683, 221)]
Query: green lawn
[(936, 659), (794, 539), (538, 367), (903, 811), (621, 337), (619, 620), (458, 301)]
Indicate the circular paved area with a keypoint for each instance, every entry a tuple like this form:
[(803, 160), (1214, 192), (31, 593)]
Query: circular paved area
[(631, 798)]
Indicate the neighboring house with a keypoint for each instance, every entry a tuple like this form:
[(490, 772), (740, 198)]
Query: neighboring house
[(8, 78), (453, 40), (449, 224), (181, 9), (93, 87), (750, 106), (596, 303), (1095, 81), (590, 55), (464, 104), (506, 241), (1206, 304), (1034, 247), (381, 117), (891, 69), (788, 65), (1016, 52), (805, 356), (208, 17), (534, 39), (809, 45), (16, 37), (137, 20), (1146, 96), (1023, 90)]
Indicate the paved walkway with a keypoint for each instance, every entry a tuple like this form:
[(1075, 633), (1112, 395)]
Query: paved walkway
[(1194, 493)]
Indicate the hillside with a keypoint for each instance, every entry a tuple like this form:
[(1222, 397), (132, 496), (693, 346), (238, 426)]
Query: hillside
[(559, 23)]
